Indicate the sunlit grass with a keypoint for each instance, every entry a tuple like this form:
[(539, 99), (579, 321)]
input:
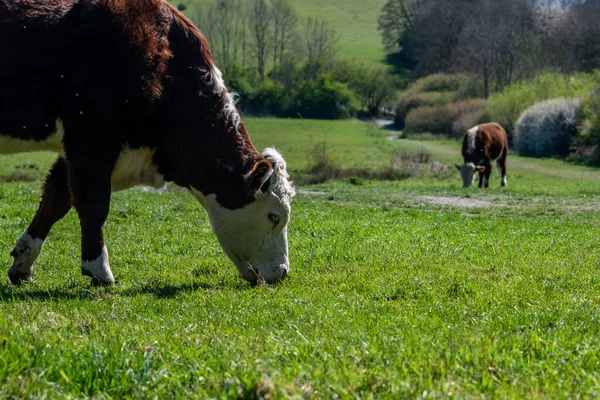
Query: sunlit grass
[(392, 293)]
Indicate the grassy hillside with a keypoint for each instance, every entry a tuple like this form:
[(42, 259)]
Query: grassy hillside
[(355, 20), (406, 289)]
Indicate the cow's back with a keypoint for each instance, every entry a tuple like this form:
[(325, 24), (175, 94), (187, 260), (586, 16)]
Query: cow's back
[(485, 140), (29, 59), (495, 139), (87, 63)]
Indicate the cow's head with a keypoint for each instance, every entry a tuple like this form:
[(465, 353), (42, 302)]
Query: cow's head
[(467, 172), (254, 237)]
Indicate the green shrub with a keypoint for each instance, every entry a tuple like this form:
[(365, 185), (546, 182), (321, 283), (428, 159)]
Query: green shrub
[(432, 119), (324, 98), (436, 90), (440, 83), (410, 101), (547, 128), (375, 87), (469, 119), (272, 98), (588, 140), (507, 106), (443, 119)]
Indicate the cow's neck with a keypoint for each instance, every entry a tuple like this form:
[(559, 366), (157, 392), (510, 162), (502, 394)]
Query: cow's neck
[(212, 160)]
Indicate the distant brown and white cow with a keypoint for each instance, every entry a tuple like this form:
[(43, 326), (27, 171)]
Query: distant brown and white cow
[(127, 92), (482, 144)]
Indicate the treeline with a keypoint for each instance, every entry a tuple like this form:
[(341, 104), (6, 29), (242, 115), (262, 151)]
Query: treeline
[(283, 65), (500, 41)]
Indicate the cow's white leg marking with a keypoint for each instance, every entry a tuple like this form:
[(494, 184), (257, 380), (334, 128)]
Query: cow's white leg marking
[(26, 251), (99, 268), (504, 180)]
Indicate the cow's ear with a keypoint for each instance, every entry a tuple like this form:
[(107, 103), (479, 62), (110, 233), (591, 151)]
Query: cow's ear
[(260, 173), (457, 166)]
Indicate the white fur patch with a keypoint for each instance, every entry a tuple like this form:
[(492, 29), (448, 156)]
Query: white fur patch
[(471, 135), (504, 180), (10, 145), (100, 267), (281, 185), (136, 167), (26, 251), (215, 79)]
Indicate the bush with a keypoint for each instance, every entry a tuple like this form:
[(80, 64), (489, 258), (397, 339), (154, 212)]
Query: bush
[(507, 106), (445, 119), (588, 140), (412, 101), (436, 90), (324, 98), (323, 167), (469, 119), (443, 83), (373, 86), (546, 129)]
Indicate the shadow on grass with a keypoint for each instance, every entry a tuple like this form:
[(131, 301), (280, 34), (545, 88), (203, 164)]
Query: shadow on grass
[(28, 292)]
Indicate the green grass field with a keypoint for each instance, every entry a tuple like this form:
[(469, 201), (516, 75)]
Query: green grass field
[(414, 288), (354, 20)]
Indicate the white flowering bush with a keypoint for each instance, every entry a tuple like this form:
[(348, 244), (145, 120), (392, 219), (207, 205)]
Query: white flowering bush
[(547, 128)]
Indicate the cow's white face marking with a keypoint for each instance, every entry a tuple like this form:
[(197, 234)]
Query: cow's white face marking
[(467, 173), (100, 267), (471, 135), (10, 145), (255, 237), (136, 167)]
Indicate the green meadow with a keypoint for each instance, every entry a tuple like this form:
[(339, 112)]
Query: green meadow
[(414, 288)]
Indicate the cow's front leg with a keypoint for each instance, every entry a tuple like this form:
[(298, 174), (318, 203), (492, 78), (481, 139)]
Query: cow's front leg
[(55, 203), (487, 172), (91, 190), (481, 174)]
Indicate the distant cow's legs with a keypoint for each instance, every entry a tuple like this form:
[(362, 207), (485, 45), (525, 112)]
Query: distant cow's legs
[(90, 182), (487, 172), (502, 167), (55, 203), (481, 175)]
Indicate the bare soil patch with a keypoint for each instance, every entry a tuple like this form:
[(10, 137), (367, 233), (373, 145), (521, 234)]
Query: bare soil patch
[(311, 192), (459, 201)]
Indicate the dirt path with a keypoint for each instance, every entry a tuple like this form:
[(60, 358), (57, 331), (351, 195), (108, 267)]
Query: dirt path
[(458, 201)]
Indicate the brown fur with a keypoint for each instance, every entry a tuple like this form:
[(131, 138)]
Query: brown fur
[(490, 144), (117, 73), (147, 26)]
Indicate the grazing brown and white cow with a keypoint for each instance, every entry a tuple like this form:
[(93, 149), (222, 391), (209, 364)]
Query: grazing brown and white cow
[(482, 144), (127, 92)]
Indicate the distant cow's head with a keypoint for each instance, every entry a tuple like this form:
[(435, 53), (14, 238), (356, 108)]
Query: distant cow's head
[(254, 237), (467, 172)]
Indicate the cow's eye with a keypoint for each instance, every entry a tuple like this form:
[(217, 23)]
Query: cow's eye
[(274, 219)]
